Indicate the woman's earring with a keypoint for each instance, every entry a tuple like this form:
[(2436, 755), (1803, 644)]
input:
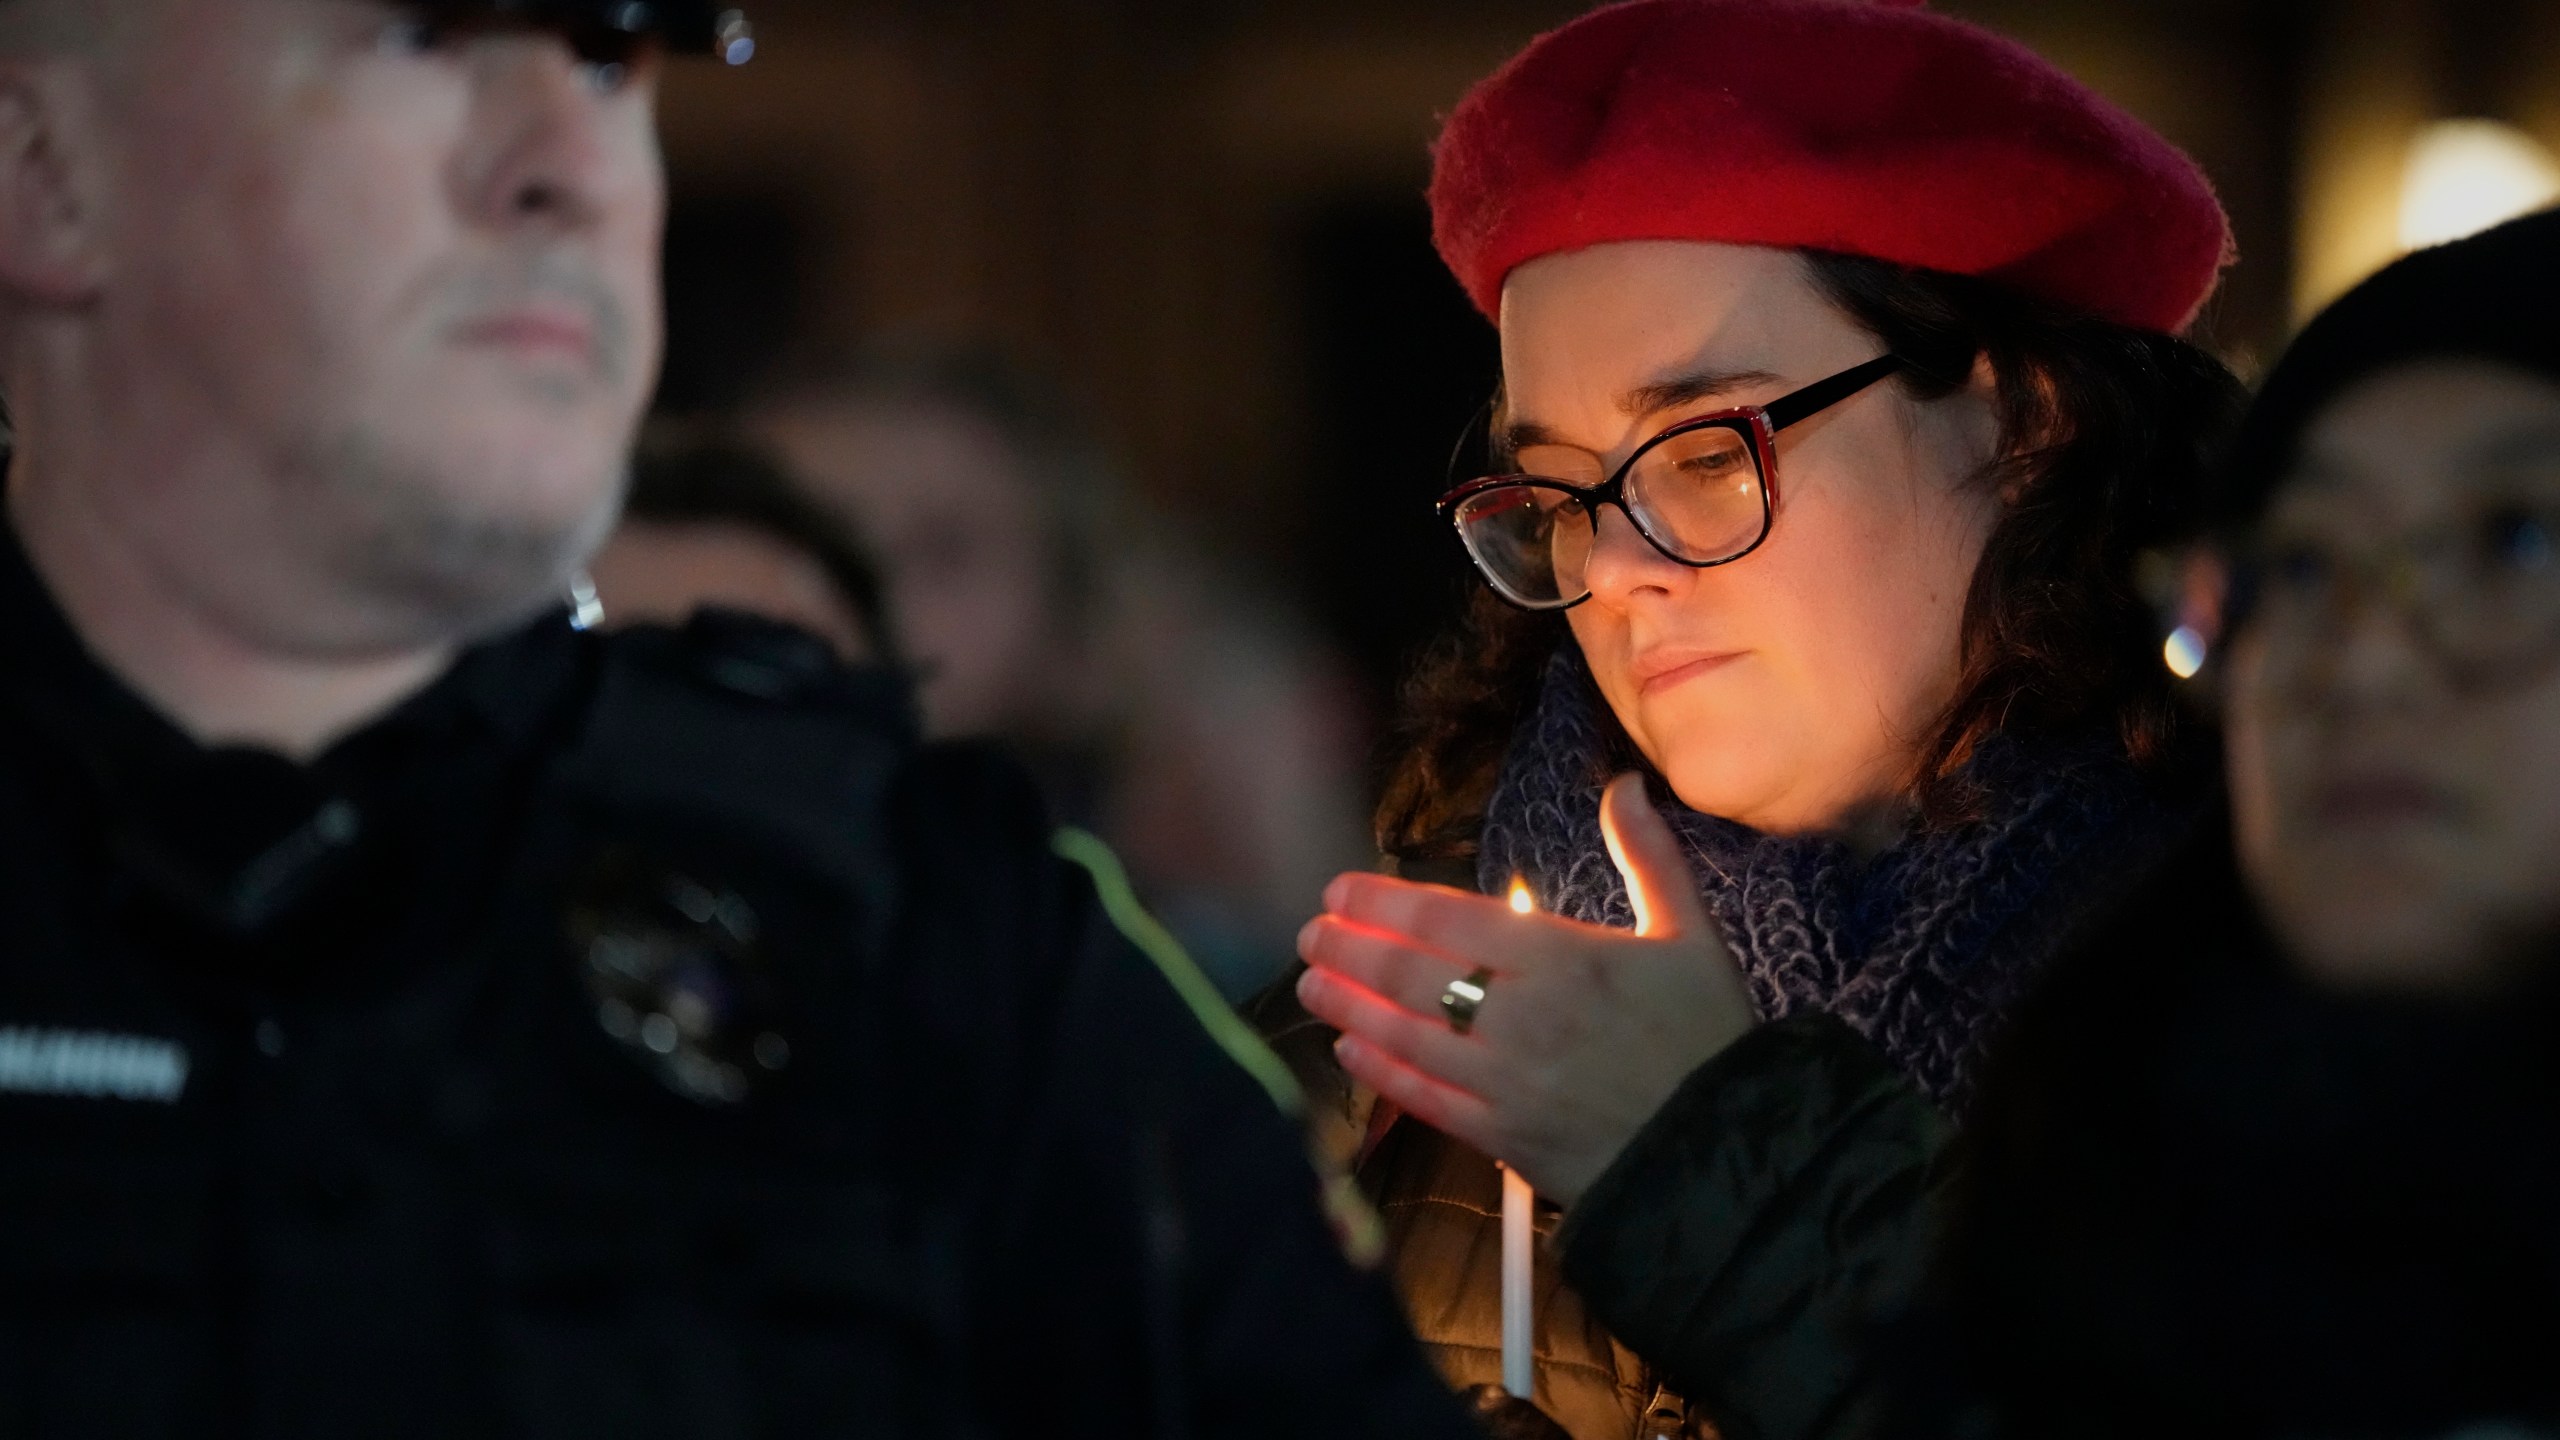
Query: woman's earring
[(2187, 589), (2185, 652)]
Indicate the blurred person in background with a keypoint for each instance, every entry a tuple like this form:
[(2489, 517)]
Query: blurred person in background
[(1840, 391), (2279, 1154), (422, 1017), (1176, 711), (993, 522), (712, 523)]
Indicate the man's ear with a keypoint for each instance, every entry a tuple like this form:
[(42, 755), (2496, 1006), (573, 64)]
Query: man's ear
[(49, 252)]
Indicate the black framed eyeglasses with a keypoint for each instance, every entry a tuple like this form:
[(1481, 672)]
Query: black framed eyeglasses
[(1700, 492), (2481, 594)]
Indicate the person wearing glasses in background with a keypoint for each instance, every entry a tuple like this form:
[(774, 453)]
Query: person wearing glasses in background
[(1840, 389), (2278, 1153)]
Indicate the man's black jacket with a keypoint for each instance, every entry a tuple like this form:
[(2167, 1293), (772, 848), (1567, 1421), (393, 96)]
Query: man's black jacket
[(635, 1037)]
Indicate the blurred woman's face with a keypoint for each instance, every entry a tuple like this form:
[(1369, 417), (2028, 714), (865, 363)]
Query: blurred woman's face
[(1790, 690), (2395, 705)]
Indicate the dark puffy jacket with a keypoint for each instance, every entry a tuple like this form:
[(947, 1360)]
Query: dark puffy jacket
[(1723, 1276)]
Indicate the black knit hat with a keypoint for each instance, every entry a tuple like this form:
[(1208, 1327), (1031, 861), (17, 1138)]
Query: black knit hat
[(2494, 296)]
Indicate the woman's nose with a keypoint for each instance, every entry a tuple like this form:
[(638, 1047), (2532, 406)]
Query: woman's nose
[(2369, 654), (1624, 565)]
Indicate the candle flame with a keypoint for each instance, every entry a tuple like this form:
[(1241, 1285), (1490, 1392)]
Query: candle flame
[(1522, 902)]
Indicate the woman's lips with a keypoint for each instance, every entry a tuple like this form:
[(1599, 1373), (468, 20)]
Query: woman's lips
[(1657, 673)]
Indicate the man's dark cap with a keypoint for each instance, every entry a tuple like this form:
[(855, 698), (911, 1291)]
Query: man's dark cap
[(685, 27)]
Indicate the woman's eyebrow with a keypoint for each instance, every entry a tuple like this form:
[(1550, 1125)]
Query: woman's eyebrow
[(1518, 435), (1675, 391), (1650, 398)]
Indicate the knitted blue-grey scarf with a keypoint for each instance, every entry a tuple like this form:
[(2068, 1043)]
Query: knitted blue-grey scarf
[(1921, 949)]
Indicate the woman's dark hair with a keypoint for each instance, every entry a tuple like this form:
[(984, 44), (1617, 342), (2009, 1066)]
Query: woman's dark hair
[(2105, 432), (689, 477)]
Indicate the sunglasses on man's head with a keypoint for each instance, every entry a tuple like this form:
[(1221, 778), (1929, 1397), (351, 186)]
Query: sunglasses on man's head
[(609, 30)]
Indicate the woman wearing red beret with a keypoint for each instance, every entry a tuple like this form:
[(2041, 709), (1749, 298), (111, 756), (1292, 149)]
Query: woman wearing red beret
[(1839, 394)]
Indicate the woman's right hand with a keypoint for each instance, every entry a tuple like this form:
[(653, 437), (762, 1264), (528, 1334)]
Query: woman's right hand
[(1584, 1031)]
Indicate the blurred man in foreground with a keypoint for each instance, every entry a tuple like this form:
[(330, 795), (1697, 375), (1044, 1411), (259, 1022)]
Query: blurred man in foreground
[(420, 1018)]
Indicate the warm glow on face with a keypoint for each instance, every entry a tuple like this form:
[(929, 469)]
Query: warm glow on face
[(1522, 902)]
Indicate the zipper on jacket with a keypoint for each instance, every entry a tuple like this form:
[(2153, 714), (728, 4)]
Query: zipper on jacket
[(1666, 1416)]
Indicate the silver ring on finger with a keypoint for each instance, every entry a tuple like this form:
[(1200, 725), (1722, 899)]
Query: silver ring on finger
[(1460, 1000)]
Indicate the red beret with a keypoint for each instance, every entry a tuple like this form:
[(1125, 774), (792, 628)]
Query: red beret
[(1878, 129)]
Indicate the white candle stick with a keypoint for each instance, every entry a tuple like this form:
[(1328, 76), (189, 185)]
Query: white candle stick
[(1519, 1303), (1519, 1241)]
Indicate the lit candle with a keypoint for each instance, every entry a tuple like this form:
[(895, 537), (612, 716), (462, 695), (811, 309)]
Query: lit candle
[(1519, 1237)]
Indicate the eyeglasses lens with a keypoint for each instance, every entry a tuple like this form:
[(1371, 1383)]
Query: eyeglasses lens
[(1532, 541), (2501, 604), (1699, 494), (2485, 592)]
